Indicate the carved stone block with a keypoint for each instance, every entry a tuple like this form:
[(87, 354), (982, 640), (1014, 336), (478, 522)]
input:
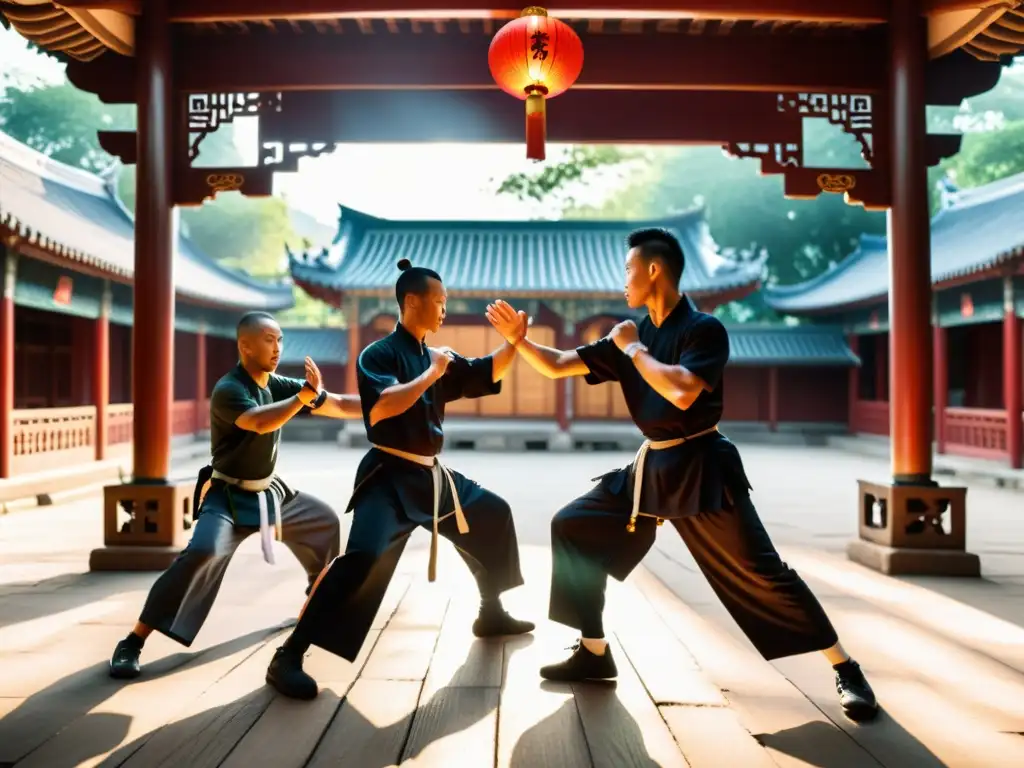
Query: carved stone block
[(143, 526), (913, 530)]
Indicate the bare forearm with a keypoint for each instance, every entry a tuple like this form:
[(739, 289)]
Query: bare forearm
[(400, 398), (269, 418), (672, 382), (340, 407), (501, 361), (553, 363)]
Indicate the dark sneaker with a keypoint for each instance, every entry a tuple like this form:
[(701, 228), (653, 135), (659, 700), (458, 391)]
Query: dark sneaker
[(124, 664), (582, 665), (285, 674), (497, 623), (855, 695)]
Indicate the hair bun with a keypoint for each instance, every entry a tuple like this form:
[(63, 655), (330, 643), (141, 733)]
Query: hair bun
[(404, 264)]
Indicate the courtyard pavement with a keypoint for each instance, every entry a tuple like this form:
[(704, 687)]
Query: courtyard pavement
[(946, 656)]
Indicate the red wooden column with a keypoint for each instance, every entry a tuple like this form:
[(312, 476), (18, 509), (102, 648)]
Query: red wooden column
[(910, 297), (853, 387), (910, 525), (773, 398), (200, 376), (354, 345), (7, 363), (156, 229), (143, 520), (940, 343), (563, 387), (101, 372), (1012, 373)]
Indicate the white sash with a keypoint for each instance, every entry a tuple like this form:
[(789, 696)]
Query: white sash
[(439, 473), (638, 471), (260, 487)]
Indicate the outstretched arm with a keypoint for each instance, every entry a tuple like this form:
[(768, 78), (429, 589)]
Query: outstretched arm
[(340, 407), (553, 363)]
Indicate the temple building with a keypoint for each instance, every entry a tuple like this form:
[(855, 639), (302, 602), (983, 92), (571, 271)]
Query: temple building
[(977, 247), (568, 275), (67, 243)]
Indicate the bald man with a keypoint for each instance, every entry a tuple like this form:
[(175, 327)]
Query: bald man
[(248, 407)]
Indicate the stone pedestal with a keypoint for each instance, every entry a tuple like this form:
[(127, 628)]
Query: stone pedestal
[(143, 526), (913, 530), (560, 442)]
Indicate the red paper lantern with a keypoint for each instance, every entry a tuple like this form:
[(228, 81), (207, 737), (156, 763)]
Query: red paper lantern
[(535, 58)]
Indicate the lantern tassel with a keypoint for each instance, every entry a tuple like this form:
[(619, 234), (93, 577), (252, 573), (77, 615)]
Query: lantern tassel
[(536, 126)]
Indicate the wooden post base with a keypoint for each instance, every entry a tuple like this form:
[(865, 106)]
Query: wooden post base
[(125, 558), (913, 529), (143, 526)]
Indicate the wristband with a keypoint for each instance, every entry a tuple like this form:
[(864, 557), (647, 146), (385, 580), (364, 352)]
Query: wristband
[(633, 349), (320, 400)]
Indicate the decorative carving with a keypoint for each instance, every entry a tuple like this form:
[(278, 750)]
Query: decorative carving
[(852, 113), (836, 182), (207, 112), (285, 156), (225, 182)]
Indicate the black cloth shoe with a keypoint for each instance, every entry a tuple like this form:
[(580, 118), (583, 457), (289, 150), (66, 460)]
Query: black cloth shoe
[(855, 695), (582, 665), (285, 674), (124, 664), (495, 622)]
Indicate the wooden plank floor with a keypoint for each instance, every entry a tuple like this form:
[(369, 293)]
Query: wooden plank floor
[(423, 692)]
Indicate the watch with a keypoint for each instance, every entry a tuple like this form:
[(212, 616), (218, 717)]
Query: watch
[(321, 396)]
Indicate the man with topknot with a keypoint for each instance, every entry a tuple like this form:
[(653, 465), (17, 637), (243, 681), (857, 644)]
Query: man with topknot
[(400, 485)]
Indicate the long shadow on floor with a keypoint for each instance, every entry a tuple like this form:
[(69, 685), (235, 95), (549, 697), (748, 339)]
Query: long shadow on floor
[(347, 735), (48, 711)]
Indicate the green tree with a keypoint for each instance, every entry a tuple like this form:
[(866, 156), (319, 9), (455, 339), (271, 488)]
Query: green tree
[(990, 156), (61, 121)]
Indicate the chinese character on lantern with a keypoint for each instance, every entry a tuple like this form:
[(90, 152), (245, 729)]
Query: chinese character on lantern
[(535, 58)]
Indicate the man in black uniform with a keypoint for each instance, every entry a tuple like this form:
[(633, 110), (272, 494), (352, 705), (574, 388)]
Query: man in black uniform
[(686, 472), (248, 407), (400, 485)]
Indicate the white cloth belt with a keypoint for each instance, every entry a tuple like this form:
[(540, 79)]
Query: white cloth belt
[(265, 500), (638, 470), (439, 473)]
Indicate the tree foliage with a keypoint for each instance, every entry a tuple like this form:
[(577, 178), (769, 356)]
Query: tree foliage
[(747, 212), (61, 121)]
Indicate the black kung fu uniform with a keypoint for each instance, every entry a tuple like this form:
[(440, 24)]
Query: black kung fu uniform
[(182, 597), (699, 486), (393, 496)]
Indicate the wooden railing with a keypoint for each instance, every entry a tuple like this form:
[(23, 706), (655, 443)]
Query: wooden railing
[(51, 438), (976, 432), (973, 432), (45, 438), (870, 417)]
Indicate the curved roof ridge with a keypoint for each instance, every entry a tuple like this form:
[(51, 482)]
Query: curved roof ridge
[(34, 161), (968, 197), (867, 246), (359, 217)]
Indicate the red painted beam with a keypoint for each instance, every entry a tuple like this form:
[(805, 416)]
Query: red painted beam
[(267, 61), (864, 11), (686, 117)]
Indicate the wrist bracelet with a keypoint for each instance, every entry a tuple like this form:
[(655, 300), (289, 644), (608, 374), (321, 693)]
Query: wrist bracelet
[(633, 349)]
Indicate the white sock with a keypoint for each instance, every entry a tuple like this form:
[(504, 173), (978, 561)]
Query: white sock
[(595, 645)]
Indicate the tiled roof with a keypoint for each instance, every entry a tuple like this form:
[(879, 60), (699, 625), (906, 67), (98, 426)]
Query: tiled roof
[(814, 345), (796, 345), (979, 229), (511, 258), (76, 215), (325, 345)]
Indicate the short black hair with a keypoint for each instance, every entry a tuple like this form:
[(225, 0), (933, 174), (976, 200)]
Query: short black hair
[(413, 280), (251, 321), (656, 243)]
